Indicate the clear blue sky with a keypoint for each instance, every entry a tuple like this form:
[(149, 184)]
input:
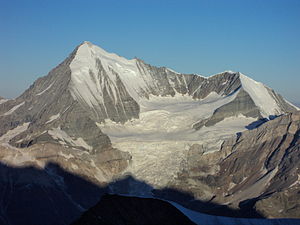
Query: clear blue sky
[(260, 38)]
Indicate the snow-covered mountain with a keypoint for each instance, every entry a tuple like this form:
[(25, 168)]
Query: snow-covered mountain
[(104, 86), (98, 77), (101, 116)]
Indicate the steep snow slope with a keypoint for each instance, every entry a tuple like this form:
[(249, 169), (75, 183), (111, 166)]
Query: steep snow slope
[(260, 96), (88, 84)]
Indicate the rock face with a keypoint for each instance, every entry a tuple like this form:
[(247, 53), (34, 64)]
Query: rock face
[(50, 109), (241, 105), (119, 210), (101, 116), (257, 171)]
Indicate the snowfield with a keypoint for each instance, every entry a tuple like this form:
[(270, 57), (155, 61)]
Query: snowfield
[(260, 96), (160, 139)]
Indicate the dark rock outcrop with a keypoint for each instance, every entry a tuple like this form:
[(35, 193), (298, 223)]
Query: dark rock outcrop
[(121, 210)]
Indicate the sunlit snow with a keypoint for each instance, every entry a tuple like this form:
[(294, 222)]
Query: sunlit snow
[(59, 134), (42, 92), (164, 130), (260, 96), (52, 118), (13, 109)]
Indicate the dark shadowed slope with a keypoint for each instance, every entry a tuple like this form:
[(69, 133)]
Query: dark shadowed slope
[(49, 196), (122, 210), (54, 196)]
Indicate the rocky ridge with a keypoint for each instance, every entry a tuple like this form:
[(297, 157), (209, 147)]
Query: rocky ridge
[(256, 170)]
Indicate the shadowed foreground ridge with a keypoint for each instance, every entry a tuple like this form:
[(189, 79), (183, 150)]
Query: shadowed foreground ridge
[(54, 196), (44, 196), (115, 209)]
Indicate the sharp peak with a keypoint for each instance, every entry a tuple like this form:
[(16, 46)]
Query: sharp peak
[(96, 49), (90, 45), (87, 42)]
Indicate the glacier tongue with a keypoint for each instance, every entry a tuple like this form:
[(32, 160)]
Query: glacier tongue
[(164, 130)]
